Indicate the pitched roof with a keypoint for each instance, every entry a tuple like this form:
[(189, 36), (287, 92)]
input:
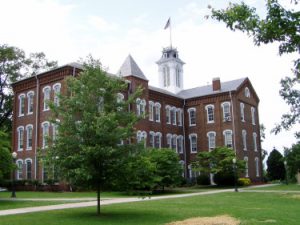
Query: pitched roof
[(130, 68)]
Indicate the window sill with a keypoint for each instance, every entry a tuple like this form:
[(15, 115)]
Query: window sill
[(193, 152), (28, 149), (21, 115), (192, 125), (20, 150)]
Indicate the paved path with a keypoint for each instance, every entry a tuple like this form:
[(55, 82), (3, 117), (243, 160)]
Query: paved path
[(103, 202)]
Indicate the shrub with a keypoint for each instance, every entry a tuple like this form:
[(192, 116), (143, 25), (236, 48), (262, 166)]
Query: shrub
[(244, 181), (224, 179), (203, 179)]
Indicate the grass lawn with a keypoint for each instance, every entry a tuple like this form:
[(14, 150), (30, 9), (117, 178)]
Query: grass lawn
[(280, 187), (249, 208), (22, 204)]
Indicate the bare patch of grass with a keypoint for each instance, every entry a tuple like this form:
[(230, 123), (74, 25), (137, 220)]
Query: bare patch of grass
[(217, 220)]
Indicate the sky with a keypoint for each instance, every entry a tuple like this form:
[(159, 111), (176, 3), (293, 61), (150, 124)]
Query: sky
[(67, 30)]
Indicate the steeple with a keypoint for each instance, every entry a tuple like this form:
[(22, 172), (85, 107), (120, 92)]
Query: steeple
[(130, 68), (170, 70)]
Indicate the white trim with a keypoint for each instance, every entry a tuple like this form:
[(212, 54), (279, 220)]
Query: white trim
[(244, 139), (152, 135), (44, 137), (226, 115), (180, 111), (253, 116), (168, 114), (225, 139), (174, 115), (246, 166), (19, 143), (56, 84), (191, 147), (207, 116), (158, 134), (247, 92), (45, 104), (30, 93), (189, 112), (180, 139), (157, 107), (151, 110), (242, 111), (254, 135), (18, 170), (27, 137), (21, 96), (209, 143), (256, 166)]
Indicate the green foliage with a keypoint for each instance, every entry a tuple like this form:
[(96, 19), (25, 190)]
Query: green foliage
[(244, 182), (203, 179), (219, 163), (293, 160), (5, 157), (280, 25), (275, 170)]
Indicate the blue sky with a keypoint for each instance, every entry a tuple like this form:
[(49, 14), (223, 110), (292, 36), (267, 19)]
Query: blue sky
[(110, 30)]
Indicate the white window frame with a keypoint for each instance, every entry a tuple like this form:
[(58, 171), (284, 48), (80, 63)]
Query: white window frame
[(244, 138), (168, 114), (179, 144), (253, 118), (179, 111), (190, 119), (256, 167), (157, 135), (254, 141), (211, 138), (226, 114), (169, 140), (226, 140), (55, 130), (247, 92), (193, 145), (28, 127), (56, 89), (207, 107), (26, 168), (19, 170), (22, 104), (20, 131), (242, 109), (152, 139), (151, 111), (174, 142), (246, 166), (47, 97), (173, 115), (157, 108), (45, 134), (30, 102)]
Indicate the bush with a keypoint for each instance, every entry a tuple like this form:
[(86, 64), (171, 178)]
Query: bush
[(224, 179), (244, 181), (203, 179)]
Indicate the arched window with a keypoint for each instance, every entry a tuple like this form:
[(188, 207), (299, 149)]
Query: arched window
[(242, 108), (166, 72), (46, 91), (140, 106), (174, 141), (151, 139), (228, 138), (151, 110), (20, 131), (211, 140), (179, 119), (28, 164), (192, 116), (30, 96), (56, 89), (180, 144), (157, 140), (253, 115), (226, 111), (169, 140), (181, 162), (120, 100), (29, 129), (55, 130), (21, 104), (173, 115), (255, 141), (246, 166), (193, 142), (157, 111), (247, 92), (257, 166), (45, 132), (168, 114), (19, 163), (210, 113), (244, 136)]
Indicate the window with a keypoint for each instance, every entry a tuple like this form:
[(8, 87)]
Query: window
[(173, 115), (228, 138), (242, 109), (20, 131), (141, 136), (21, 104), (157, 140), (177, 77), (246, 166), (255, 141), (28, 164), (19, 163), (211, 140), (55, 130), (210, 113), (253, 115), (181, 162), (193, 143), (226, 111), (45, 131), (140, 106), (166, 72), (151, 111), (151, 139), (257, 166), (157, 112), (168, 114), (179, 117), (192, 116), (244, 137), (174, 141), (169, 140), (30, 96), (56, 89), (46, 91), (180, 144), (29, 129), (247, 92)]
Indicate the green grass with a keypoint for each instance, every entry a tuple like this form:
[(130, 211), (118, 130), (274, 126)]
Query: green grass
[(250, 208), (280, 187), (5, 204)]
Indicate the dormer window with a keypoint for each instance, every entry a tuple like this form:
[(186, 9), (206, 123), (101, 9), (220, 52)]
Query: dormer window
[(247, 92)]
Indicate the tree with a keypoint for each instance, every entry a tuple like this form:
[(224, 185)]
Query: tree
[(275, 170), (14, 65), (93, 120), (218, 162), (280, 25), (293, 160), (5, 156)]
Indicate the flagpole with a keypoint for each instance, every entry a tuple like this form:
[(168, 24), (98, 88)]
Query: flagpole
[(170, 34)]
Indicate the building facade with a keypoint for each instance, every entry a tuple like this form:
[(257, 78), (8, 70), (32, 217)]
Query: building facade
[(186, 120)]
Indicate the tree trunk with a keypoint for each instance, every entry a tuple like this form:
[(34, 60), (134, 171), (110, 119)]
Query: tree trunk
[(98, 197)]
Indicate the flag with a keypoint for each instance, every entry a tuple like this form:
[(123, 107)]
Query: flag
[(168, 23)]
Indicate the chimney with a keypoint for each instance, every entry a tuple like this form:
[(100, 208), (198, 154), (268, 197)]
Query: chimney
[(216, 84)]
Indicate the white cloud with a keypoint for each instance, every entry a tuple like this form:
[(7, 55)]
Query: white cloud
[(101, 24)]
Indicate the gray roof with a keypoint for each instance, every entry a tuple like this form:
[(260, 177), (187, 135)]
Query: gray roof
[(203, 90), (130, 68)]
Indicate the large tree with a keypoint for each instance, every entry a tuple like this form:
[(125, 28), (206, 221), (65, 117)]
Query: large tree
[(5, 156), (275, 170), (293, 160), (279, 25), (15, 65), (93, 121)]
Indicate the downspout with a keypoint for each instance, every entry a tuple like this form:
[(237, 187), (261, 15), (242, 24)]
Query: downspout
[(233, 124), (36, 126), (184, 150)]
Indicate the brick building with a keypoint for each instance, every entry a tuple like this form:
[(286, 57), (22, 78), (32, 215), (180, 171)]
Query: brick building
[(188, 121)]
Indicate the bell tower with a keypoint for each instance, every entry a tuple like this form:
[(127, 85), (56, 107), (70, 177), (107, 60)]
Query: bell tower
[(170, 70)]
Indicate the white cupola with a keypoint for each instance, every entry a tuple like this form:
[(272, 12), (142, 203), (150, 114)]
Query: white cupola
[(170, 70)]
